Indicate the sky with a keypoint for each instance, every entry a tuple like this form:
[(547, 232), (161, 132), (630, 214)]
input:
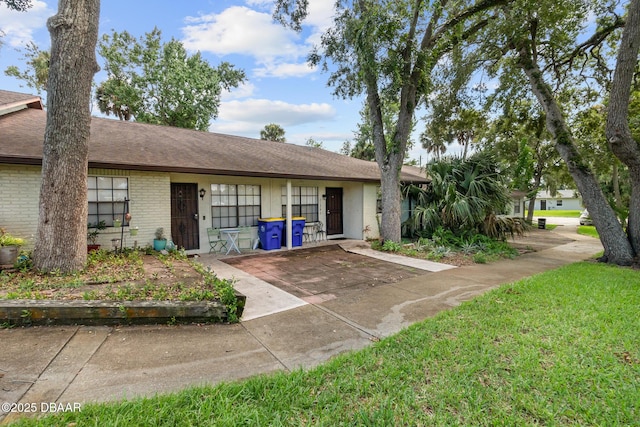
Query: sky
[(280, 88)]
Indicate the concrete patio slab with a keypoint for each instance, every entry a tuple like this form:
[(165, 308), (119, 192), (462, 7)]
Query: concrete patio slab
[(322, 270)]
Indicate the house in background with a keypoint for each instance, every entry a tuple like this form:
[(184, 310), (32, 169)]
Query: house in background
[(566, 200), (518, 207), (186, 181)]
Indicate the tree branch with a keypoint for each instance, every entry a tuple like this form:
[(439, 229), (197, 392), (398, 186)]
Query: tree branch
[(19, 5), (477, 8), (592, 42)]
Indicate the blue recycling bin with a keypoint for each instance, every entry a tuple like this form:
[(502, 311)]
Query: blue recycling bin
[(297, 230), (270, 232)]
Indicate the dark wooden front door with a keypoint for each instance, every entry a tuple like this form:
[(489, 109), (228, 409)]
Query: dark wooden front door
[(334, 211), (543, 205), (184, 216)]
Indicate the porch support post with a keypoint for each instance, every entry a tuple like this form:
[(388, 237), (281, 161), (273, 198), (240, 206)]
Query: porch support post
[(288, 224)]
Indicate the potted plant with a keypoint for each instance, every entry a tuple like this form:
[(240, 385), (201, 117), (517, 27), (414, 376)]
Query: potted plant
[(117, 223), (132, 230), (9, 247), (92, 235), (160, 242)]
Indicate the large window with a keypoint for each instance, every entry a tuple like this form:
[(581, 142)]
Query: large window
[(106, 195), (234, 205), (304, 202)]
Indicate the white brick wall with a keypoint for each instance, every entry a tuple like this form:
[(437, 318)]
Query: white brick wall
[(149, 193), (352, 209), (19, 198), (370, 196), (150, 205)]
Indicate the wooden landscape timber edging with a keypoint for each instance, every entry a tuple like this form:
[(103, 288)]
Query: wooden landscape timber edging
[(98, 312)]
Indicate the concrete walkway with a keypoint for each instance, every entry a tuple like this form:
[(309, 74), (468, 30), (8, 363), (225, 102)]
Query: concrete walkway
[(278, 331)]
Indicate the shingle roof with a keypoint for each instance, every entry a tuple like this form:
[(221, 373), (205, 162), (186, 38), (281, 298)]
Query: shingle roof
[(9, 101), (138, 146)]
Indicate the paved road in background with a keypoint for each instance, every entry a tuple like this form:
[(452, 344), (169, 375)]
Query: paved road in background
[(559, 220)]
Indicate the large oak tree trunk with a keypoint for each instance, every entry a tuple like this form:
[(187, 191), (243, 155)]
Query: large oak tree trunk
[(617, 249), (61, 242), (389, 161), (389, 164), (618, 133), (390, 226)]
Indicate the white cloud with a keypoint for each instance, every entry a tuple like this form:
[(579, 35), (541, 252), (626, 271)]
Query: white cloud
[(250, 130), (244, 90), (261, 3), (321, 13), (240, 30), (249, 117), (284, 70), (302, 137), (264, 111), (278, 51), (18, 27)]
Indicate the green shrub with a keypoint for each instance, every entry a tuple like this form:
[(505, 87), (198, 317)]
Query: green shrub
[(468, 248), (480, 258), (7, 239), (462, 194), (391, 246), (440, 252)]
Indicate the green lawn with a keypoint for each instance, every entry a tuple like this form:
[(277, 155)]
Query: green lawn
[(588, 230), (560, 348), (557, 213)]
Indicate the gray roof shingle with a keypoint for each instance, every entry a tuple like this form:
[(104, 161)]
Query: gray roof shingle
[(138, 146)]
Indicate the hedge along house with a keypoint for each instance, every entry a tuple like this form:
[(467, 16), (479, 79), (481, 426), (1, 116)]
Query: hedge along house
[(187, 181)]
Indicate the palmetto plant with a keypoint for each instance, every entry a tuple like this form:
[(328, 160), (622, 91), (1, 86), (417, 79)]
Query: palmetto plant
[(462, 194)]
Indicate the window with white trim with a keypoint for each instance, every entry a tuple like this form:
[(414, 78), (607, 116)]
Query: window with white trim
[(235, 205), (516, 207), (304, 202), (106, 196)]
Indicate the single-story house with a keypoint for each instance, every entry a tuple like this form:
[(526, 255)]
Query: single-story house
[(565, 200), (187, 181)]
